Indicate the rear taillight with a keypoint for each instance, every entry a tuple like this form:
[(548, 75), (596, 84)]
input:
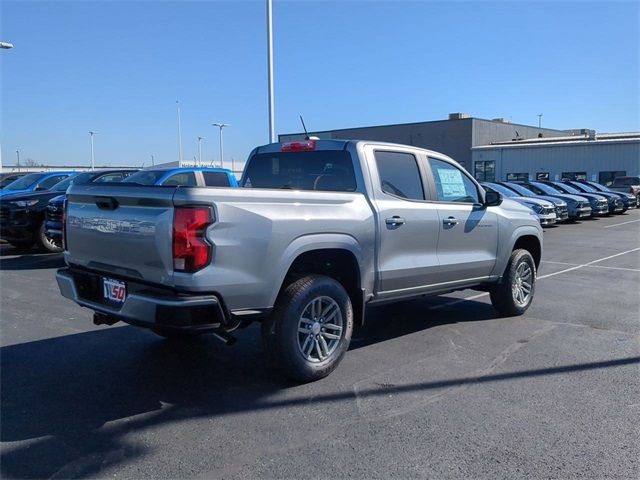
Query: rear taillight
[(191, 251), (64, 224), (298, 146)]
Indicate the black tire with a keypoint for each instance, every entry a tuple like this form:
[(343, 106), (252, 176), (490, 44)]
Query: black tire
[(281, 336), (504, 295), (22, 245), (44, 243)]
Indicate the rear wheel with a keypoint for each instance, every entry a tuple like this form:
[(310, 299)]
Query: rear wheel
[(45, 243), (310, 328), (513, 295)]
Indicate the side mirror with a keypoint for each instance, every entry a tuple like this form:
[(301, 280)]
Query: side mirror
[(492, 198), (39, 189)]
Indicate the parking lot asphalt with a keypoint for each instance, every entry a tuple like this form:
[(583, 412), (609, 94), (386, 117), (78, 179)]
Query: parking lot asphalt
[(439, 387)]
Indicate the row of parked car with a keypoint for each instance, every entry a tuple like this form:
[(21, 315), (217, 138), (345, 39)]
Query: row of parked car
[(568, 200), (32, 205)]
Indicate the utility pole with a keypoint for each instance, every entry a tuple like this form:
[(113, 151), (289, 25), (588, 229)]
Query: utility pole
[(221, 126), (93, 163), (272, 134), (540, 120), (18, 155), (200, 151), (179, 134)]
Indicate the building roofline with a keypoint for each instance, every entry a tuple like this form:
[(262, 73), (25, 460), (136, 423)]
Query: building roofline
[(562, 141), (421, 123)]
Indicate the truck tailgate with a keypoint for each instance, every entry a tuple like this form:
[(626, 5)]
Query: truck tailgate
[(121, 229)]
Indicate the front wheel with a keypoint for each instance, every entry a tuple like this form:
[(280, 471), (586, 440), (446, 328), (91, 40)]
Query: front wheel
[(310, 328), (44, 242), (513, 295)]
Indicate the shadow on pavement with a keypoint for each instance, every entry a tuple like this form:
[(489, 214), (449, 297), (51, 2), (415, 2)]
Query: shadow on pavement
[(31, 260), (65, 389)]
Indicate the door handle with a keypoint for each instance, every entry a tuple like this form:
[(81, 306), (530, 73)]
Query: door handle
[(450, 221), (395, 221)]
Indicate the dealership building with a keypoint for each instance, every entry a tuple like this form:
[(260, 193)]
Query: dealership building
[(499, 150), (584, 156)]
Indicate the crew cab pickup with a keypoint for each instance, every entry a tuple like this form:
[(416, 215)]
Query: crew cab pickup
[(318, 231), (627, 185)]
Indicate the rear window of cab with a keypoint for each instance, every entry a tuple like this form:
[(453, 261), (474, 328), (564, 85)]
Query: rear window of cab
[(320, 170)]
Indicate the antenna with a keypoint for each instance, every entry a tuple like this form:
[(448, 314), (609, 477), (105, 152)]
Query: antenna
[(306, 134)]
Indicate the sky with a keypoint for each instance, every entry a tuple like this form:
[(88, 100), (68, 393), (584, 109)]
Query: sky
[(118, 67)]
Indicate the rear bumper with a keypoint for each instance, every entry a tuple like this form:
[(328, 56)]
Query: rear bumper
[(144, 306)]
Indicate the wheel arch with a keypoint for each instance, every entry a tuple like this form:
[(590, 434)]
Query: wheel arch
[(335, 255)]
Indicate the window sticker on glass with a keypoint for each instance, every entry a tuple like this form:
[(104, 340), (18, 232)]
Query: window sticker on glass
[(452, 183)]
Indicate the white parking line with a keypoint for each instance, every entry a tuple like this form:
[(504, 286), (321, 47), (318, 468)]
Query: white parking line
[(576, 267), (623, 223), (587, 264), (592, 266)]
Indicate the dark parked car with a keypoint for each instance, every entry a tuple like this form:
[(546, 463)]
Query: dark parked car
[(54, 210), (599, 204), (628, 200), (34, 182), (562, 210), (544, 209), (22, 215), (577, 205), (7, 178), (613, 200)]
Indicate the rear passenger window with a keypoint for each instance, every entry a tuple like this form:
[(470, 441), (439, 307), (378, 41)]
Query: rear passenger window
[(187, 179), (109, 178), (216, 179), (51, 181), (399, 175), (452, 185)]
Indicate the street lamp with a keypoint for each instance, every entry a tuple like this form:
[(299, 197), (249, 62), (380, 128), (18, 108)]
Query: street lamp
[(221, 126), (540, 120), (272, 134), (93, 163), (6, 45), (200, 151)]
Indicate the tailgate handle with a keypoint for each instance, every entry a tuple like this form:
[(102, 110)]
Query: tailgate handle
[(106, 203)]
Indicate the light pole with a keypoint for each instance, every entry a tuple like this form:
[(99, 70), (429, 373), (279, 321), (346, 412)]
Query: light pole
[(221, 126), (179, 134), (18, 156), (93, 163), (7, 46), (272, 134), (540, 120), (200, 151), (153, 161)]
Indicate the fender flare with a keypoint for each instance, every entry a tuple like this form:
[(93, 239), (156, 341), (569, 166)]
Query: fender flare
[(509, 243), (311, 242)]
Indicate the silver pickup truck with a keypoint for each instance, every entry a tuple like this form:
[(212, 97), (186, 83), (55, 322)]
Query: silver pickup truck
[(318, 231)]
